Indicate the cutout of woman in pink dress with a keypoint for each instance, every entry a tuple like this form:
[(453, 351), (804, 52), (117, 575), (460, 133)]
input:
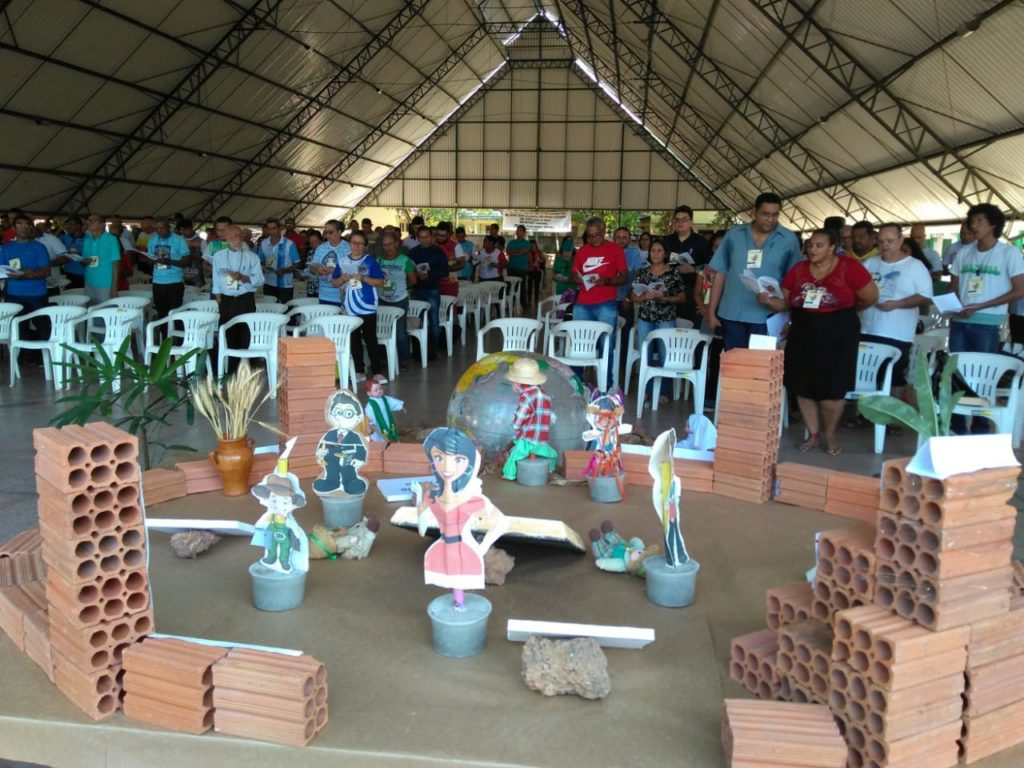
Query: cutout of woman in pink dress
[(455, 504)]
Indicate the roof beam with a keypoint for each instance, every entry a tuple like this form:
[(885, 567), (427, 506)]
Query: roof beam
[(740, 102), (876, 97), (312, 107), (114, 163), (336, 174)]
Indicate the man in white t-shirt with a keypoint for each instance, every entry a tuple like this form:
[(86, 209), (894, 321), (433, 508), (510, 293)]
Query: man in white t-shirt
[(988, 275), (904, 285), (57, 251)]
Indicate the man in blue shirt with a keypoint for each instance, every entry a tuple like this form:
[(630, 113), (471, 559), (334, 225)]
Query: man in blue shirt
[(467, 249), (325, 258), (767, 250), (431, 267), (280, 260), (170, 254), (29, 262), (73, 239), (634, 261)]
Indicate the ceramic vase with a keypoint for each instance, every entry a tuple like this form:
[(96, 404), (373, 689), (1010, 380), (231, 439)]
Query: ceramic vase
[(233, 460)]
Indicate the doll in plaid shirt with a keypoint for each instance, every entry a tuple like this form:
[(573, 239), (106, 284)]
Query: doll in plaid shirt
[(533, 417)]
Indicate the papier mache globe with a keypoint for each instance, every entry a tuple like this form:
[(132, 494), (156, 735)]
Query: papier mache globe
[(484, 403)]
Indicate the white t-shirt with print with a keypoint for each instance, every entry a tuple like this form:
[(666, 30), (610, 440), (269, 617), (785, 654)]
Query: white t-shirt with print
[(983, 275), (896, 280)]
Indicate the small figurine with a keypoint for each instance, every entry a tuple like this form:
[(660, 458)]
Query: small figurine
[(604, 415), (533, 418), (665, 495), (285, 546), (613, 553), (353, 543), (342, 450), (380, 410), (455, 504)]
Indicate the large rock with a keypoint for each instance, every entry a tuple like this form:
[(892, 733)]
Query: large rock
[(497, 564), (577, 666)]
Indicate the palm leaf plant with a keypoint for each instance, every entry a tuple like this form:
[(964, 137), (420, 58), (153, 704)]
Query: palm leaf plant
[(929, 418)]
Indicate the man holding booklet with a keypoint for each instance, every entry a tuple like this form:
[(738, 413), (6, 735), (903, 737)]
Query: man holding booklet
[(763, 249)]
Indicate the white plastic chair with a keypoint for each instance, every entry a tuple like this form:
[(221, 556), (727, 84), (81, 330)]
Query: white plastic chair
[(518, 334), (54, 355), (983, 371), (420, 311), (141, 303), (387, 335), (73, 292), (8, 311), (264, 331), (512, 296), (306, 313), (446, 319), (544, 306), (337, 328), (197, 305), (69, 300), (138, 293), (197, 332), (620, 323), (872, 359), (679, 347), (469, 302), (302, 301), (491, 297), (924, 344), (580, 340), (266, 308), (262, 299), (118, 324)]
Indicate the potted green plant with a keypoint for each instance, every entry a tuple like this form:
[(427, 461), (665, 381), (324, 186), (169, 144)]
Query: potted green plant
[(929, 418), (132, 396), (230, 407)]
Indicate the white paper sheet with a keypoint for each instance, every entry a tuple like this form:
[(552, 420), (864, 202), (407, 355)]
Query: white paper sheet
[(521, 630), (941, 457), (947, 303), (777, 323), (221, 527), (400, 488), (760, 341)]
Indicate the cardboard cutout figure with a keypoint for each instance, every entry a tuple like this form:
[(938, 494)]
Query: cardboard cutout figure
[(665, 495), (613, 553), (454, 504), (285, 546), (342, 450), (380, 413), (604, 415), (533, 417)]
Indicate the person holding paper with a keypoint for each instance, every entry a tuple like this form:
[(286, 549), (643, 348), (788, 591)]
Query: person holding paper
[(688, 251), (101, 256), (987, 276), (622, 237), (765, 248), (823, 293), (491, 261), (600, 268), (563, 266), (170, 255), (904, 285), (280, 260), (29, 265), (359, 276), (662, 291), (431, 267), (323, 261), (237, 273), (73, 238)]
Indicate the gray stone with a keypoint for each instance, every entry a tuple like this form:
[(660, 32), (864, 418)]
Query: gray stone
[(555, 667), (497, 564)]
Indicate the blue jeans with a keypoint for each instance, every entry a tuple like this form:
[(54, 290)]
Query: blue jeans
[(656, 352), (401, 330), (608, 312), (736, 334), (432, 297), (973, 337)]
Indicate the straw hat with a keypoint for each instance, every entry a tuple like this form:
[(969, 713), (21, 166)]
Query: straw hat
[(525, 371)]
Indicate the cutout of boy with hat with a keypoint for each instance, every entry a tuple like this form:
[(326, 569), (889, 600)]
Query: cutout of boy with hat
[(285, 546), (533, 418)]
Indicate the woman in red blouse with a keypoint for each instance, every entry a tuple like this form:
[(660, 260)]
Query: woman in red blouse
[(823, 294)]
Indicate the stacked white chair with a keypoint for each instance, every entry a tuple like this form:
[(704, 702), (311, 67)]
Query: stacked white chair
[(679, 347), (337, 328), (580, 342), (420, 312), (54, 354), (518, 334), (387, 335), (874, 359), (198, 329), (264, 331)]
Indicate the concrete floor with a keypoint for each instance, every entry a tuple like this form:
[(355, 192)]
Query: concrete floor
[(743, 548)]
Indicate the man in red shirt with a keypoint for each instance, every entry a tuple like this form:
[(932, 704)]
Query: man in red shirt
[(599, 269), (456, 259), (295, 237)]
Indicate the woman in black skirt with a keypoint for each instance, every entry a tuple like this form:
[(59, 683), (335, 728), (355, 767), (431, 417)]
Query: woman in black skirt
[(823, 294)]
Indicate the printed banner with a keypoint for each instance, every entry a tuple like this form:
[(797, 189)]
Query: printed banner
[(536, 221)]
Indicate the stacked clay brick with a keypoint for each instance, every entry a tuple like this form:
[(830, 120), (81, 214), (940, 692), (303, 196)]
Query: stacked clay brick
[(270, 697), (801, 484), (944, 548), (845, 576), (750, 402), (308, 367), (169, 683), (897, 689), (94, 546), (23, 620), (774, 734), (994, 696), (804, 661), (753, 661), (21, 559)]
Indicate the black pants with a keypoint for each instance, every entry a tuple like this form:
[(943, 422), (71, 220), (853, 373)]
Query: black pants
[(1016, 330), (366, 334), (531, 291), (76, 281), (166, 297), (237, 336), (36, 330)]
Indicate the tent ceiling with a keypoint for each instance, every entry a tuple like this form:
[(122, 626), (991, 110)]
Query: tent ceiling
[(269, 107)]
